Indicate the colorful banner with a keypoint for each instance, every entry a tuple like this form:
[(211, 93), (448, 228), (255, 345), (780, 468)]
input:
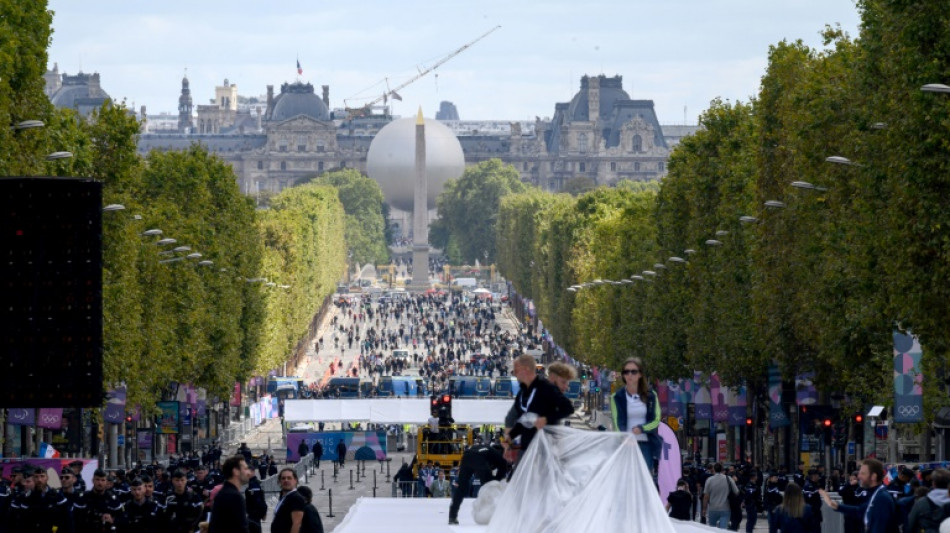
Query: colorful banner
[(236, 395), (908, 379), (21, 417), (719, 396), (114, 413), (167, 422), (703, 401), (50, 418), (663, 395), (143, 442), (202, 408), (360, 445), (676, 407), (805, 391), (777, 416), (737, 407), (670, 467)]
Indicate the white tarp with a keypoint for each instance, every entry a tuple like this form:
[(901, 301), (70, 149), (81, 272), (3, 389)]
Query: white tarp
[(572, 480), (392, 411)]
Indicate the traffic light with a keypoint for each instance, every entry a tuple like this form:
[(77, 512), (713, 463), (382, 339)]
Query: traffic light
[(434, 407), (859, 418), (441, 406), (748, 422), (827, 427)]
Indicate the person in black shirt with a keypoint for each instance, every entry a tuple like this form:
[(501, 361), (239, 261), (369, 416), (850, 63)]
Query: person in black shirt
[(750, 500), (852, 493), (679, 503), (97, 509), (256, 504), (341, 452), (290, 509), (229, 513), (317, 453), (311, 518), (182, 506), (539, 396), (139, 515), (302, 450), (480, 462)]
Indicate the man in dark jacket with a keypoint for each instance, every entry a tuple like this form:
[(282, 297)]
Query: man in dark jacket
[(229, 513), (538, 396), (182, 506), (878, 512), (479, 462), (317, 453), (302, 450), (341, 452), (256, 504)]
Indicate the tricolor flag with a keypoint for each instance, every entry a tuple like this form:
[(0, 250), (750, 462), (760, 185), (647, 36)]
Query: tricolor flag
[(47, 451), (299, 68)]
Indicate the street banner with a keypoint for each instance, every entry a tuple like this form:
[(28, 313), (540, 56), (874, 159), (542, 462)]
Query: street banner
[(677, 408), (805, 391), (703, 403), (202, 408), (167, 423), (184, 414), (663, 395), (114, 413), (143, 441), (50, 418), (236, 395), (360, 445), (908, 379), (777, 416), (670, 467), (21, 417), (737, 407), (719, 395)]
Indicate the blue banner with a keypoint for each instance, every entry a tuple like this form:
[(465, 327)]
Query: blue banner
[(360, 445)]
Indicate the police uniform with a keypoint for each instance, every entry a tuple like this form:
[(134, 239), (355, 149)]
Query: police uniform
[(141, 518), (40, 511), (182, 511), (88, 511), (256, 504)]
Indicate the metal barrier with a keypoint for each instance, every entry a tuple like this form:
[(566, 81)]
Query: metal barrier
[(832, 521)]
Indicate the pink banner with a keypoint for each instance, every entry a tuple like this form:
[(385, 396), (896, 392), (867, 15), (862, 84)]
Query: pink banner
[(670, 467), (236, 396), (50, 418)]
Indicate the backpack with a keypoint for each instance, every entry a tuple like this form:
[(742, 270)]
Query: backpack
[(930, 521)]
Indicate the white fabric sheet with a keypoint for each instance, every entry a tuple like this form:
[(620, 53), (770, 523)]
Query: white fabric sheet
[(392, 411)]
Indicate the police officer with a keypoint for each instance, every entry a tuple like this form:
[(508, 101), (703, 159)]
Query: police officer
[(750, 500), (182, 506), (68, 487), (202, 484), (76, 467), (773, 493), (40, 508), (140, 515), (255, 503), (161, 486), (810, 493), (478, 462), (97, 509)]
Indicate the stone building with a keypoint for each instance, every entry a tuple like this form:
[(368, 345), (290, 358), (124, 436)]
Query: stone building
[(297, 136), (80, 92)]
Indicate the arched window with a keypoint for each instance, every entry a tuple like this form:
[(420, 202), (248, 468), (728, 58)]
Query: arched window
[(637, 144)]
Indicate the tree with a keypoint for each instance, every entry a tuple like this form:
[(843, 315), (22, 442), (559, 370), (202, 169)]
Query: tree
[(468, 207)]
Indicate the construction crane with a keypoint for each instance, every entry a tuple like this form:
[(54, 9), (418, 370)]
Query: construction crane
[(393, 93)]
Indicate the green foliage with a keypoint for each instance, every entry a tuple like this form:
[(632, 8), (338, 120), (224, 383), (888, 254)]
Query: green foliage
[(468, 209), (366, 230)]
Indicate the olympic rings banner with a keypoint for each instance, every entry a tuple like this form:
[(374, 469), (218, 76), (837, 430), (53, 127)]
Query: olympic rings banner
[(908, 379)]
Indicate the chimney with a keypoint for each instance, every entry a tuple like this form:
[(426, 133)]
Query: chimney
[(593, 99), (326, 95), (270, 100)]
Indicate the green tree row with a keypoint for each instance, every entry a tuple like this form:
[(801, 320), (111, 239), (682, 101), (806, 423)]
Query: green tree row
[(855, 247)]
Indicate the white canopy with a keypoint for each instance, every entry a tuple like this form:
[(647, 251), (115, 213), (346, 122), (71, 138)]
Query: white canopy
[(393, 411)]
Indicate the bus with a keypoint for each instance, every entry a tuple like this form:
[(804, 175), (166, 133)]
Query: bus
[(469, 386), (342, 388), (401, 386), (506, 387), (286, 387)]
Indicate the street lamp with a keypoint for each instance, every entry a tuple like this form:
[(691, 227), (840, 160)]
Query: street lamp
[(802, 185), (936, 88), (114, 207), (676, 259), (206, 262), (163, 242), (839, 160), (775, 204), (713, 242), (28, 125), (689, 251), (649, 273), (637, 277), (151, 232), (721, 233), (746, 219), (58, 155)]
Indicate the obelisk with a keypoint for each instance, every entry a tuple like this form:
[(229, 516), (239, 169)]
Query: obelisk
[(420, 212)]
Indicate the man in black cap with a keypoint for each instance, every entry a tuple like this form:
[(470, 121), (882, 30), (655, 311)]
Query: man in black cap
[(202, 484), (68, 483), (139, 515), (480, 462), (97, 509), (811, 495), (182, 506)]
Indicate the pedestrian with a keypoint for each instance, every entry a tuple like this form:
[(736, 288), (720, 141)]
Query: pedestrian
[(878, 512), (440, 487), (229, 512), (635, 409), (929, 511), (716, 493), (341, 452), (291, 507), (311, 518), (302, 450), (794, 515), (317, 453), (680, 501)]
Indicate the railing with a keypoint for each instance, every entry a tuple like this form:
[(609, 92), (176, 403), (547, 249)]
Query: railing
[(271, 484)]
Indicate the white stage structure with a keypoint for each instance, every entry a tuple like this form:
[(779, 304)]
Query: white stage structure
[(393, 411)]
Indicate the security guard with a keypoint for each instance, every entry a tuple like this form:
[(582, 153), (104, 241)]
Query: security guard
[(140, 515), (97, 510), (478, 462), (256, 504), (182, 506)]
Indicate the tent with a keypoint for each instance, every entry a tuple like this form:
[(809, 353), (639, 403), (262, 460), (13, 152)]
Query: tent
[(393, 411)]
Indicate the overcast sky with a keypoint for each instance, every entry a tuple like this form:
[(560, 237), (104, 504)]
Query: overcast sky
[(679, 53)]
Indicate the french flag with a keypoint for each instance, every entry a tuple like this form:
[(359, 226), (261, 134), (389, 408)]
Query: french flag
[(299, 68), (47, 451)]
